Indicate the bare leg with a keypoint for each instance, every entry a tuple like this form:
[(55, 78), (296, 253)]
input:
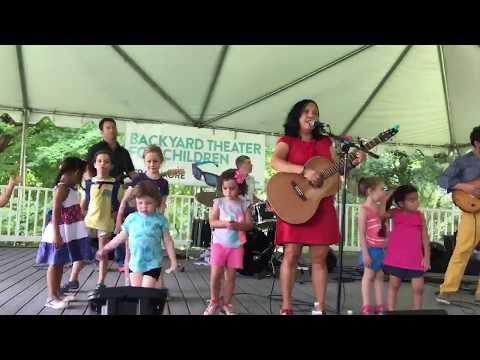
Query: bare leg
[(287, 272), (367, 281), (229, 286), (149, 282), (54, 277), (76, 268), (379, 288), (393, 287), (103, 264), (318, 255), (136, 279), (216, 273), (417, 292)]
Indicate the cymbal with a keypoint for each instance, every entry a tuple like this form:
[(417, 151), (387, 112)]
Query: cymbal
[(206, 198)]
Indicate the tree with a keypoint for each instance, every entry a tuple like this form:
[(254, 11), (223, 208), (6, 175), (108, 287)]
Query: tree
[(397, 167), (47, 145)]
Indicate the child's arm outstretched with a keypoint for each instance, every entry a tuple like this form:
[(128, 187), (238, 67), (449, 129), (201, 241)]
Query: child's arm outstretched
[(168, 242), (362, 226), (12, 182), (426, 245), (112, 244)]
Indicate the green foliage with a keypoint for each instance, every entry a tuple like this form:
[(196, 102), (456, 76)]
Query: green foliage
[(399, 168), (47, 145)]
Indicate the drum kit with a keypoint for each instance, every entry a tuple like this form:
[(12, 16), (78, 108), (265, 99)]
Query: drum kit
[(259, 248)]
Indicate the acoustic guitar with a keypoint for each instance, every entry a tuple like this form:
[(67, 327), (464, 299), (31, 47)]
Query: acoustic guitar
[(295, 200), (466, 202)]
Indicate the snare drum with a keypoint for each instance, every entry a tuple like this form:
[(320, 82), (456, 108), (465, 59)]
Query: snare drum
[(263, 216)]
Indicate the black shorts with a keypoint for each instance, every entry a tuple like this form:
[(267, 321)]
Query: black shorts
[(404, 274), (155, 273)]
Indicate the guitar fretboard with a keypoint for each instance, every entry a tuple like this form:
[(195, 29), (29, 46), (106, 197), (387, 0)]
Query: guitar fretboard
[(339, 164)]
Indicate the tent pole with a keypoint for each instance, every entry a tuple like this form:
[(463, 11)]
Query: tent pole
[(25, 103), (153, 84), (213, 83), (441, 59), (377, 88), (289, 85)]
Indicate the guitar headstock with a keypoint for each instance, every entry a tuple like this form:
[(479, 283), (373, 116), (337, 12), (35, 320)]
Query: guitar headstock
[(388, 134)]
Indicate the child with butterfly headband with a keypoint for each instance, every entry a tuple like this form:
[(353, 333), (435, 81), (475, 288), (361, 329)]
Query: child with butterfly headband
[(230, 219)]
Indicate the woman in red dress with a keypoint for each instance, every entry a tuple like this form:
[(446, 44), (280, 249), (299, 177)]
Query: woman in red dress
[(301, 142)]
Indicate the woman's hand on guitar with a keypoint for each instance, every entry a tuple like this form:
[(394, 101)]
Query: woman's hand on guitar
[(313, 177), (472, 190)]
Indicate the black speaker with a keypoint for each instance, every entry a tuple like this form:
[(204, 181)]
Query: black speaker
[(127, 300), (418, 312), (439, 257)]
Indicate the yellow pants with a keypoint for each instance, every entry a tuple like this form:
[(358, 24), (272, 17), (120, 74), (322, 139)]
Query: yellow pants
[(468, 237)]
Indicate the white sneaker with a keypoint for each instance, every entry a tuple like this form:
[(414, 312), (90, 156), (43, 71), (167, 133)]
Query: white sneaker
[(227, 309), (212, 308), (55, 304), (316, 309), (68, 298)]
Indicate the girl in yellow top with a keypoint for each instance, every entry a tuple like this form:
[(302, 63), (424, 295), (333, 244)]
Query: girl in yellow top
[(102, 197)]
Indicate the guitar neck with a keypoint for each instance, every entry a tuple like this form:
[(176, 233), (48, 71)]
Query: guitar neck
[(339, 164)]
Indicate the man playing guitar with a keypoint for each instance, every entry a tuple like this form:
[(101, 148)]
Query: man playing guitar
[(460, 177)]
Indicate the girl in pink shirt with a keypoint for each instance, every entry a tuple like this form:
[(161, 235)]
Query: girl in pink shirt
[(408, 252), (371, 232)]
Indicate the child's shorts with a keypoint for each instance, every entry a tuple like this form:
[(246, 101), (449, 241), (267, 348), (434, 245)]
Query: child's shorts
[(404, 274), (95, 233), (226, 257), (377, 255), (155, 273)]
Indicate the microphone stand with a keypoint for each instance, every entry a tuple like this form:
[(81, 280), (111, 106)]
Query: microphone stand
[(346, 145), (345, 150)]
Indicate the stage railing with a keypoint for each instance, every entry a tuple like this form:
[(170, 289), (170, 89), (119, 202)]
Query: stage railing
[(25, 223)]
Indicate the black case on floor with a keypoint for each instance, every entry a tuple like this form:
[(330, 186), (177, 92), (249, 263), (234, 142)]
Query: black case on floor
[(128, 300)]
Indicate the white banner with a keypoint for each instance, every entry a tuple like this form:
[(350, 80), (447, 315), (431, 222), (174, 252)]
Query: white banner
[(183, 146)]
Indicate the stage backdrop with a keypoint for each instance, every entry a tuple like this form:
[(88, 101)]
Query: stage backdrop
[(182, 146)]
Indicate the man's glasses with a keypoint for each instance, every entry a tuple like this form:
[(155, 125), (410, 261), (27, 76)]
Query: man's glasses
[(210, 179)]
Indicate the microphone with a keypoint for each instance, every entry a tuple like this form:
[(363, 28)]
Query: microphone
[(316, 123)]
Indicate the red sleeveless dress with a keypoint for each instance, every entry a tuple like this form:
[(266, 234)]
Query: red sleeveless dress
[(322, 228)]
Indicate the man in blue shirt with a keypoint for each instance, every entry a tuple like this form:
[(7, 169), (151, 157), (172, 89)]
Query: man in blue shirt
[(464, 169)]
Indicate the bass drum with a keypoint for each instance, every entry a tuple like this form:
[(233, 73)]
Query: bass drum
[(258, 251)]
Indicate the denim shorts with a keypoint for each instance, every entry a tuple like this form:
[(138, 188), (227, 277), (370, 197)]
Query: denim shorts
[(377, 255)]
